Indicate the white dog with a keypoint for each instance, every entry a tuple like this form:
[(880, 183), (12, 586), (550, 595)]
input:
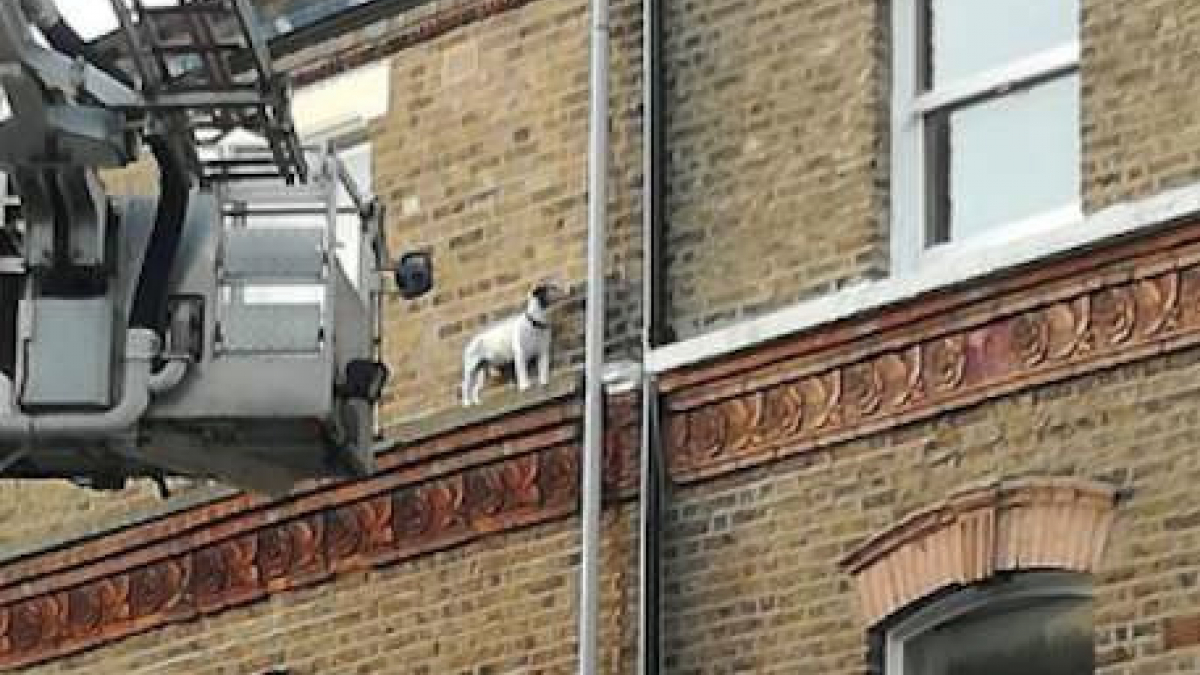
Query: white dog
[(516, 340)]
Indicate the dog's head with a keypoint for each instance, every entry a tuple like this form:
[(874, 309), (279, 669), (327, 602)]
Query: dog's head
[(545, 294)]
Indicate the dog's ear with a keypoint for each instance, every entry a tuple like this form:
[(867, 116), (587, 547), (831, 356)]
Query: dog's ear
[(544, 294), (541, 294)]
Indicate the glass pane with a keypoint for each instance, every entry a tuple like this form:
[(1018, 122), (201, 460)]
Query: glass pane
[(1046, 637), (1013, 157), (970, 36)]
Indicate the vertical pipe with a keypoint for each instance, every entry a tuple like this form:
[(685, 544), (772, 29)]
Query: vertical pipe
[(593, 430), (650, 505), (656, 327), (649, 492)]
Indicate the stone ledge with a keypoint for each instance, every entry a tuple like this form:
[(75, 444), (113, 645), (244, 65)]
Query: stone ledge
[(499, 403)]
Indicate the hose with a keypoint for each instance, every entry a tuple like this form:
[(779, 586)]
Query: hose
[(150, 299)]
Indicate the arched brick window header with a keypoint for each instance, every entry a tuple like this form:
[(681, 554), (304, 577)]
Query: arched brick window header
[(1048, 523)]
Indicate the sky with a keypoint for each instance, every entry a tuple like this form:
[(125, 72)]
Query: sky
[(95, 17), (89, 17)]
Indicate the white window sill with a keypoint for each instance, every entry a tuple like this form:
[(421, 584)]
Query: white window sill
[(941, 267), (998, 238)]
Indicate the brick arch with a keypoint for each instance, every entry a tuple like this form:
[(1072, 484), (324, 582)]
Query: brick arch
[(979, 531)]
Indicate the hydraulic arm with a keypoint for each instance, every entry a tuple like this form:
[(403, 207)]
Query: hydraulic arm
[(212, 331)]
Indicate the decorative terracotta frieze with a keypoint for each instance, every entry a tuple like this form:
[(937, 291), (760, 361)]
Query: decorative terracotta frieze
[(247, 552), (984, 343), (1033, 524)]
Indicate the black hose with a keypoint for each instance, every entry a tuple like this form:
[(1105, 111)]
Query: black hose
[(150, 299), (64, 39), (652, 489)]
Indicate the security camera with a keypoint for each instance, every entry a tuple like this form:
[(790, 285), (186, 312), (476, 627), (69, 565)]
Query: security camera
[(414, 274)]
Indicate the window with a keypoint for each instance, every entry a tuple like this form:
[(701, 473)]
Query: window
[(1036, 623), (985, 127)]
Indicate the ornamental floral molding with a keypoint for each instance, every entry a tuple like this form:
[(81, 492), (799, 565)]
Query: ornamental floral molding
[(1051, 523), (223, 559), (984, 347)]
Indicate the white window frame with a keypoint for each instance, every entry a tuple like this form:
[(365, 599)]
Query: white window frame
[(911, 248), (1024, 586)]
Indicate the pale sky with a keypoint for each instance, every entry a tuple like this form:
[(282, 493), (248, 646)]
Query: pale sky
[(92, 18), (95, 17), (89, 17)]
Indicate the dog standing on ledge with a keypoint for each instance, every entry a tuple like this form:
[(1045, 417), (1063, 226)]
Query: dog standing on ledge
[(516, 340)]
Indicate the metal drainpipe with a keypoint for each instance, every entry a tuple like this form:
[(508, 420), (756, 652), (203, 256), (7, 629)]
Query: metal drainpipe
[(593, 421), (650, 487), (650, 495)]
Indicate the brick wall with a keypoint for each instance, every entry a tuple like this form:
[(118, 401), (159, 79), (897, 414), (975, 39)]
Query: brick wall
[(775, 137), (775, 194), (36, 513), (482, 159), (751, 561), (1108, 393), (1139, 131), (503, 605)]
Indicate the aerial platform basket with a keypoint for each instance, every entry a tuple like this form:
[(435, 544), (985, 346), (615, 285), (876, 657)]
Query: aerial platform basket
[(218, 330)]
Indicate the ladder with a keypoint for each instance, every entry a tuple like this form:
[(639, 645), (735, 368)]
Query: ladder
[(204, 70)]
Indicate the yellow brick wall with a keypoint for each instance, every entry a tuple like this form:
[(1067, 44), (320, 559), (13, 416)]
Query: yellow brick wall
[(503, 605), (776, 132), (751, 576), (1140, 128), (33, 512), (482, 159), (778, 140), (752, 559), (777, 136)]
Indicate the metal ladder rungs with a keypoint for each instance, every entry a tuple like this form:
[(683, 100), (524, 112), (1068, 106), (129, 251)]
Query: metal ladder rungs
[(184, 50), (160, 11)]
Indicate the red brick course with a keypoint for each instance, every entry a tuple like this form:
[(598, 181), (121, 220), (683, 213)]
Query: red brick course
[(921, 359), (978, 532), (497, 476)]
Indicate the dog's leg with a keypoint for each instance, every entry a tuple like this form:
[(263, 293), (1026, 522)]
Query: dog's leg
[(468, 382), (479, 376), (544, 360), (520, 361), (474, 370)]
